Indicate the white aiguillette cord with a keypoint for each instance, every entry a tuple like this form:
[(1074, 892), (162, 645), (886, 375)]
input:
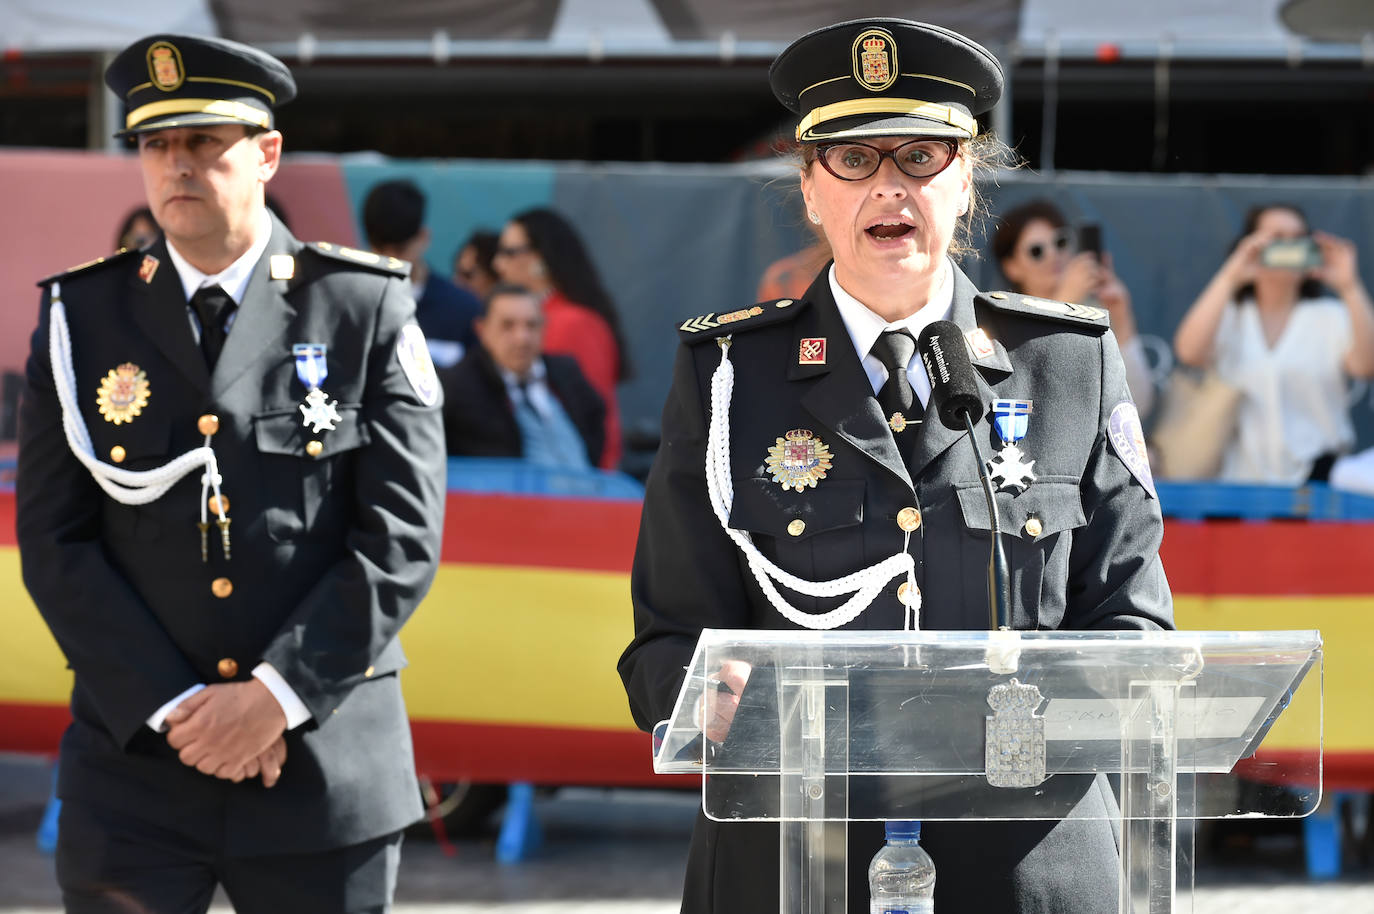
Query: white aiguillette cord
[(129, 487), (864, 584)]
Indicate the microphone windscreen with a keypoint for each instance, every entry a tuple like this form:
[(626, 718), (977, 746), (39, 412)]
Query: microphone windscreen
[(953, 382)]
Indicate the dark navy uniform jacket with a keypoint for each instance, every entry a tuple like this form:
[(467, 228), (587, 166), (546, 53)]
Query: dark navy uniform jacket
[(330, 554), (1092, 563)]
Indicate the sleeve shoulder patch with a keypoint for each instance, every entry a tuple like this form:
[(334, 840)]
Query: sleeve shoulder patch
[(356, 258), (123, 254), (1088, 317), (413, 353), (709, 326), (1127, 438)]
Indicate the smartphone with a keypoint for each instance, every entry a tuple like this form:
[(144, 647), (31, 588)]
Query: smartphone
[(1291, 254), (1090, 239)]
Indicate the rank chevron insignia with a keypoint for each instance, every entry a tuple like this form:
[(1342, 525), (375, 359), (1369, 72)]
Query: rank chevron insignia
[(698, 324)]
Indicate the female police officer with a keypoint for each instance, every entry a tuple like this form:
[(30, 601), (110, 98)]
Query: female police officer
[(833, 470)]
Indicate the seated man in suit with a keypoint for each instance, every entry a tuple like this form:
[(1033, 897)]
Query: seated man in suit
[(507, 399)]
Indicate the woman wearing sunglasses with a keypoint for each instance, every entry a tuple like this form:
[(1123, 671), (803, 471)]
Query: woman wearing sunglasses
[(1037, 252), (799, 450)]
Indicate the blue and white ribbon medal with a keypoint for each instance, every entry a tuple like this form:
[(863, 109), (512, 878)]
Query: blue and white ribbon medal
[(312, 369), (1009, 467)]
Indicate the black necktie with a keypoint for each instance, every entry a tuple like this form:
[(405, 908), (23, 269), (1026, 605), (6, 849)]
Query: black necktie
[(213, 306), (894, 349)]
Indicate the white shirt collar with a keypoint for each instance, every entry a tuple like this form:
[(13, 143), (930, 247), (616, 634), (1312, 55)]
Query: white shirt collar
[(234, 278), (537, 374), (865, 327)]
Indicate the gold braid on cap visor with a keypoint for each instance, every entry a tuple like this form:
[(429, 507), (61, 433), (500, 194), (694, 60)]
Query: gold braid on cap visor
[(910, 107), (222, 107)]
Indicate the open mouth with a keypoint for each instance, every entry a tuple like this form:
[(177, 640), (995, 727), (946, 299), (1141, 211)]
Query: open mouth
[(890, 228)]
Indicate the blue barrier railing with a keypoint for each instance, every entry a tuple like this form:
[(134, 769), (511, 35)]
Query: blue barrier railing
[(510, 476), (1314, 501), (1181, 500)]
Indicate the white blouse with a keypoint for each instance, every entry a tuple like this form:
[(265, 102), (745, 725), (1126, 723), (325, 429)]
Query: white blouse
[(1294, 405)]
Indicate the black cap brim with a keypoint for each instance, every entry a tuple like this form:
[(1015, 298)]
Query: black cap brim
[(870, 126)]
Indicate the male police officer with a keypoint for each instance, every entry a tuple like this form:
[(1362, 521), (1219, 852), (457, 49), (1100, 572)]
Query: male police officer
[(230, 496)]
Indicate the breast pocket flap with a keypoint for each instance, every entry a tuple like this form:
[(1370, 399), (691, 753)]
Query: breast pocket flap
[(283, 432), (1049, 505), (763, 506)]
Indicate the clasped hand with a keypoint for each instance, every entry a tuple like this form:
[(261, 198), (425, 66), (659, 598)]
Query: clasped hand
[(232, 730)]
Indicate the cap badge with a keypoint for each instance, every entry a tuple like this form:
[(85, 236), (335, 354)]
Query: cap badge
[(798, 460), (123, 393), (164, 66), (875, 59), (148, 268), (812, 351)]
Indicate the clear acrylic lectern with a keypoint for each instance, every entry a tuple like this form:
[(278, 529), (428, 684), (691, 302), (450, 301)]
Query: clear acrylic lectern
[(838, 726)]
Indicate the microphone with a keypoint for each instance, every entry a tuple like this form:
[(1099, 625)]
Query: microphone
[(953, 385), (954, 397)]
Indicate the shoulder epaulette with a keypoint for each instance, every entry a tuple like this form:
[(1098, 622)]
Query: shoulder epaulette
[(357, 258), (88, 266), (710, 326), (1085, 316)]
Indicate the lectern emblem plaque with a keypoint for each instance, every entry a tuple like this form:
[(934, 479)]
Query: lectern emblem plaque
[(1015, 752)]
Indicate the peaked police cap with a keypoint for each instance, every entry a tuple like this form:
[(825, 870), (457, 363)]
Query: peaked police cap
[(885, 77), (184, 81)]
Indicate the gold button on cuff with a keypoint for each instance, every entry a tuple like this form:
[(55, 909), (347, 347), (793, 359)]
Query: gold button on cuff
[(904, 594), (218, 503), (908, 519), (208, 424), (221, 587), (228, 667), (117, 454), (1033, 527), (369, 671), (314, 448), (783, 304), (797, 527)]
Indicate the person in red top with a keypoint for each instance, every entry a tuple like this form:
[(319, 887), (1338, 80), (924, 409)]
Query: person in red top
[(541, 251)]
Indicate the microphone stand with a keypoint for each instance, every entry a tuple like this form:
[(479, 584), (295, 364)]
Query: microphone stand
[(999, 611)]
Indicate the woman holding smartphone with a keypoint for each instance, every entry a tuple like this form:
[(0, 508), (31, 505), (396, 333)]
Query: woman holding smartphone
[(1034, 247), (1268, 326)]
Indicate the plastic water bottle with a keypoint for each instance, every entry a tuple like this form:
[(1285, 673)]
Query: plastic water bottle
[(901, 878)]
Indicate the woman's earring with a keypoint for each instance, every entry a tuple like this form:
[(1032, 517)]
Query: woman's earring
[(814, 218)]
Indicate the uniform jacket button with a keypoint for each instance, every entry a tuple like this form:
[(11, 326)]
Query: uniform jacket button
[(228, 668), (797, 527), (905, 595), (221, 587), (1034, 527), (314, 448), (117, 454), (909, 519), (218, 504), (208, 424)]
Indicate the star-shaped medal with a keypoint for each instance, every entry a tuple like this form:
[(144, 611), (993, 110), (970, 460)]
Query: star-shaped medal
[(318, 413), (1010, 470)]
